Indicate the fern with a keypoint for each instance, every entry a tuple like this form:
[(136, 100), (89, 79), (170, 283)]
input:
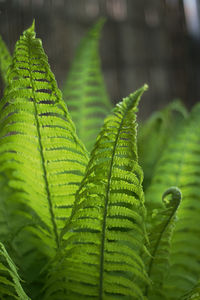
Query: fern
[(12, 222), (193, 294), (162, 224), (84, 90), (154, 135), (179, 166), (5, 60), (9, 279), (9, 225), (105, 234), (78, 229), (41, 155)]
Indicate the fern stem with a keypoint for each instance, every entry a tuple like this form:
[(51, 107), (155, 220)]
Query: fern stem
[(55, 230), (176, 198)]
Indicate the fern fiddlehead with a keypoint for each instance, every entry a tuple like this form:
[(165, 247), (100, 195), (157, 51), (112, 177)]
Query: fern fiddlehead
[(160, 235), (175, 201)]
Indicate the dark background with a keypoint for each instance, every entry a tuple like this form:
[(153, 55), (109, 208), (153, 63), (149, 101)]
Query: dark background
[(152, 41)]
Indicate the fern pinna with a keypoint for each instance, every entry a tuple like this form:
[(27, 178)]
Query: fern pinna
[(84, 90), (105, 234)]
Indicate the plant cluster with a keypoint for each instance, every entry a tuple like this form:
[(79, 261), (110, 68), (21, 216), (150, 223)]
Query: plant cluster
[(77, 220)]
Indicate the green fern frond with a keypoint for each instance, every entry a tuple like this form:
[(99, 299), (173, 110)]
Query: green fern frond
[(193, 294), (162, 224), (105, 234), (154, 135), (18, 242), (5, 60), (179, 166), (84, 90), (10, 285), (9, 224), (41, 155)]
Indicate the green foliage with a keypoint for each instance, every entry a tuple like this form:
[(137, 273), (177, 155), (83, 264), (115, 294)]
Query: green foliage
[(105, 235), (154, 135), (5, 60), (38, 140), (79, 228), (4, 211), (162, 224), (84, 90), (9, 279), (40, 152), (179, 165), (194, 294)]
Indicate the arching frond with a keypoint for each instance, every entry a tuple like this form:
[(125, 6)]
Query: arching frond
[(40, 153), (162, 224), (10, 285), (179, 166), (5, 60), (105, 234), (154, 135), (84, 90)]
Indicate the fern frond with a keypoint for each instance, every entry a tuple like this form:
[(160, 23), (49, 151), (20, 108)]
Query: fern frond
[(162, 225), (13, 220), (179, 166), (193, 294), (9, 225), (154, 135), (41, 155), (84, 90), (9, 279), (5, 60), (105, 234)]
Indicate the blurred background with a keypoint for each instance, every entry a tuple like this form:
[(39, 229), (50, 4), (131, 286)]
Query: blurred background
[(152, 41)]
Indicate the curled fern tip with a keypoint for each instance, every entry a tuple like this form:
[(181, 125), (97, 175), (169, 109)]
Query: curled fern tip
[(176, 196)]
